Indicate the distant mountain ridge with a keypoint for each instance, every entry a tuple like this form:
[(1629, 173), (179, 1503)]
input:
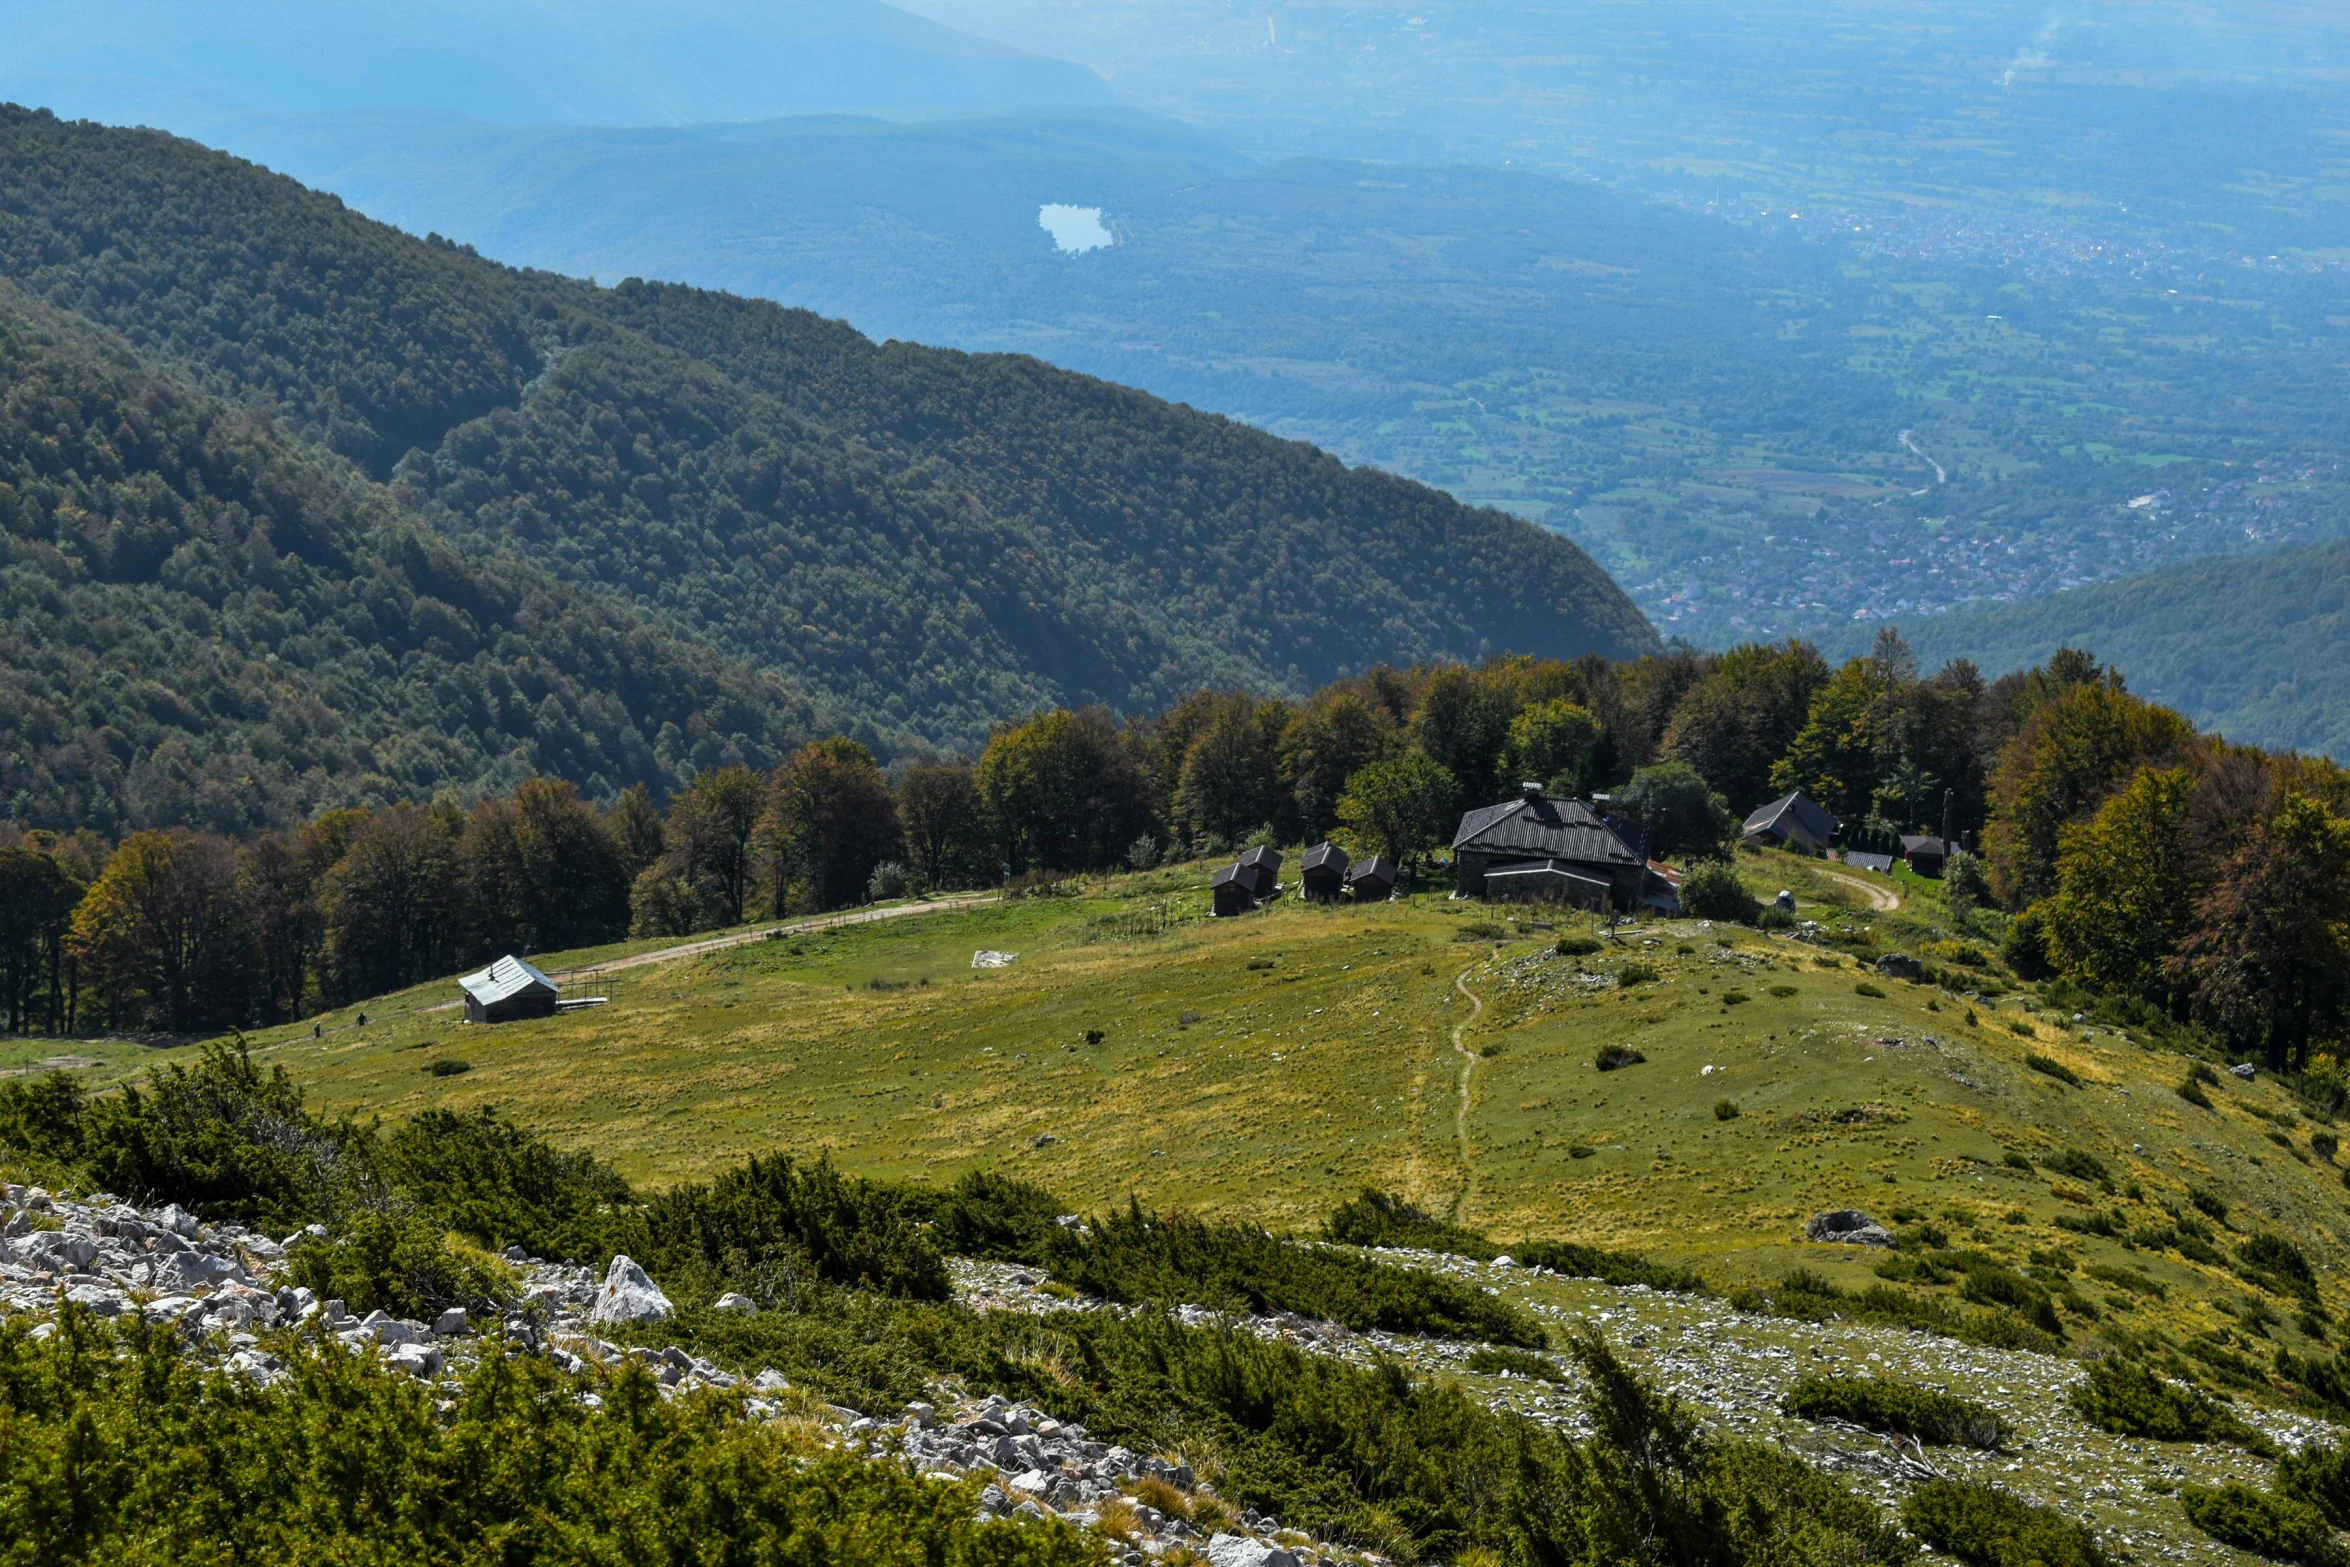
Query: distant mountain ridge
[(809, 529), (2249, 646)]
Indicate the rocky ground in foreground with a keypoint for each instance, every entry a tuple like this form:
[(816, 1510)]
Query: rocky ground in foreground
[(220, 1285)]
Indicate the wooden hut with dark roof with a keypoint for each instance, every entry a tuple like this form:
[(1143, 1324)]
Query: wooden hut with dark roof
[(1261, 869), (1322, 873), (1234, 891), (1792, 821), (1925, 853), (1546, 848), (1372, 880)]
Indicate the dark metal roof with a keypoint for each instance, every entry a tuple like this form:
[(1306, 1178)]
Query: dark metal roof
[(1544, 829), (1377, 868), (1228, 875), (1794, 810), (1270, 859), (1322, 854), (1636, 836), (505, 979), (1912, 843), (1868, 862), (1545, 870)]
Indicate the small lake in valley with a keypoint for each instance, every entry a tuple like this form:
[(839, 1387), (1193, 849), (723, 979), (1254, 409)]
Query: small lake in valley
[(1075, 230)]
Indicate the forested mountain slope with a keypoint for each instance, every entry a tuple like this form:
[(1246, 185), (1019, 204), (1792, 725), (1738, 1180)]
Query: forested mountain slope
[(2248, 647), (202, 621), (923, 542)]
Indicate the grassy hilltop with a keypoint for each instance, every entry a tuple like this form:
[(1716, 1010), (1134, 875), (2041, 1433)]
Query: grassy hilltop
[(1271, 1066)]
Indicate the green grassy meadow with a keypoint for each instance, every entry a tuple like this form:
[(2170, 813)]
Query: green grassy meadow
[(1271, 1065)]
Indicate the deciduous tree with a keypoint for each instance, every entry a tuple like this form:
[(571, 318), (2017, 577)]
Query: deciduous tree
[(1401, 808), (2122, 893), (2268, 957), (162, 936), (946, 826), (830, 820)]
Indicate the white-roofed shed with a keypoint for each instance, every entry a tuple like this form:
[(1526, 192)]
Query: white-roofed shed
[(506, 990)]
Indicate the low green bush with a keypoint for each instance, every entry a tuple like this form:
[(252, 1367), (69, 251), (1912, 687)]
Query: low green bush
[(2128, 1399), (1133, 1257), (2270, 1258), (1376, 1218), (1987, 1527), (773, 1225), (1632, 974), (1903, 1408), (2193, 1093), (501, 1185), (122, 1449), (1712, 891), (2081, 1165), (2051, 1067), (1873, 992), (1735, 998), (1609, 1267), (1579, 946), (2320, 1477), (1806, 1296), (1726, 1110), (403, 1265), (2262, 1522)]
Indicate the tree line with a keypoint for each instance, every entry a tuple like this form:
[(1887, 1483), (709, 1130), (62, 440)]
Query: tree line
[(2119, 848)]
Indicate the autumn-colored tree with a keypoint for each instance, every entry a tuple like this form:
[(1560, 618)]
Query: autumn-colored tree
[(2074, 750), (2268, 958), (830, 820), (161, 936), (2122, 899)]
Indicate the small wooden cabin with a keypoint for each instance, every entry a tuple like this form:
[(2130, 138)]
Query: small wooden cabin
[(1234, 892), (1323, 871), (1371, 880), (1925, 853), (506, 990), (1792, 821), (1261, 870)]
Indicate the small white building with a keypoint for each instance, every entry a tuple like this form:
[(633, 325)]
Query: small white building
[(506, 990)]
